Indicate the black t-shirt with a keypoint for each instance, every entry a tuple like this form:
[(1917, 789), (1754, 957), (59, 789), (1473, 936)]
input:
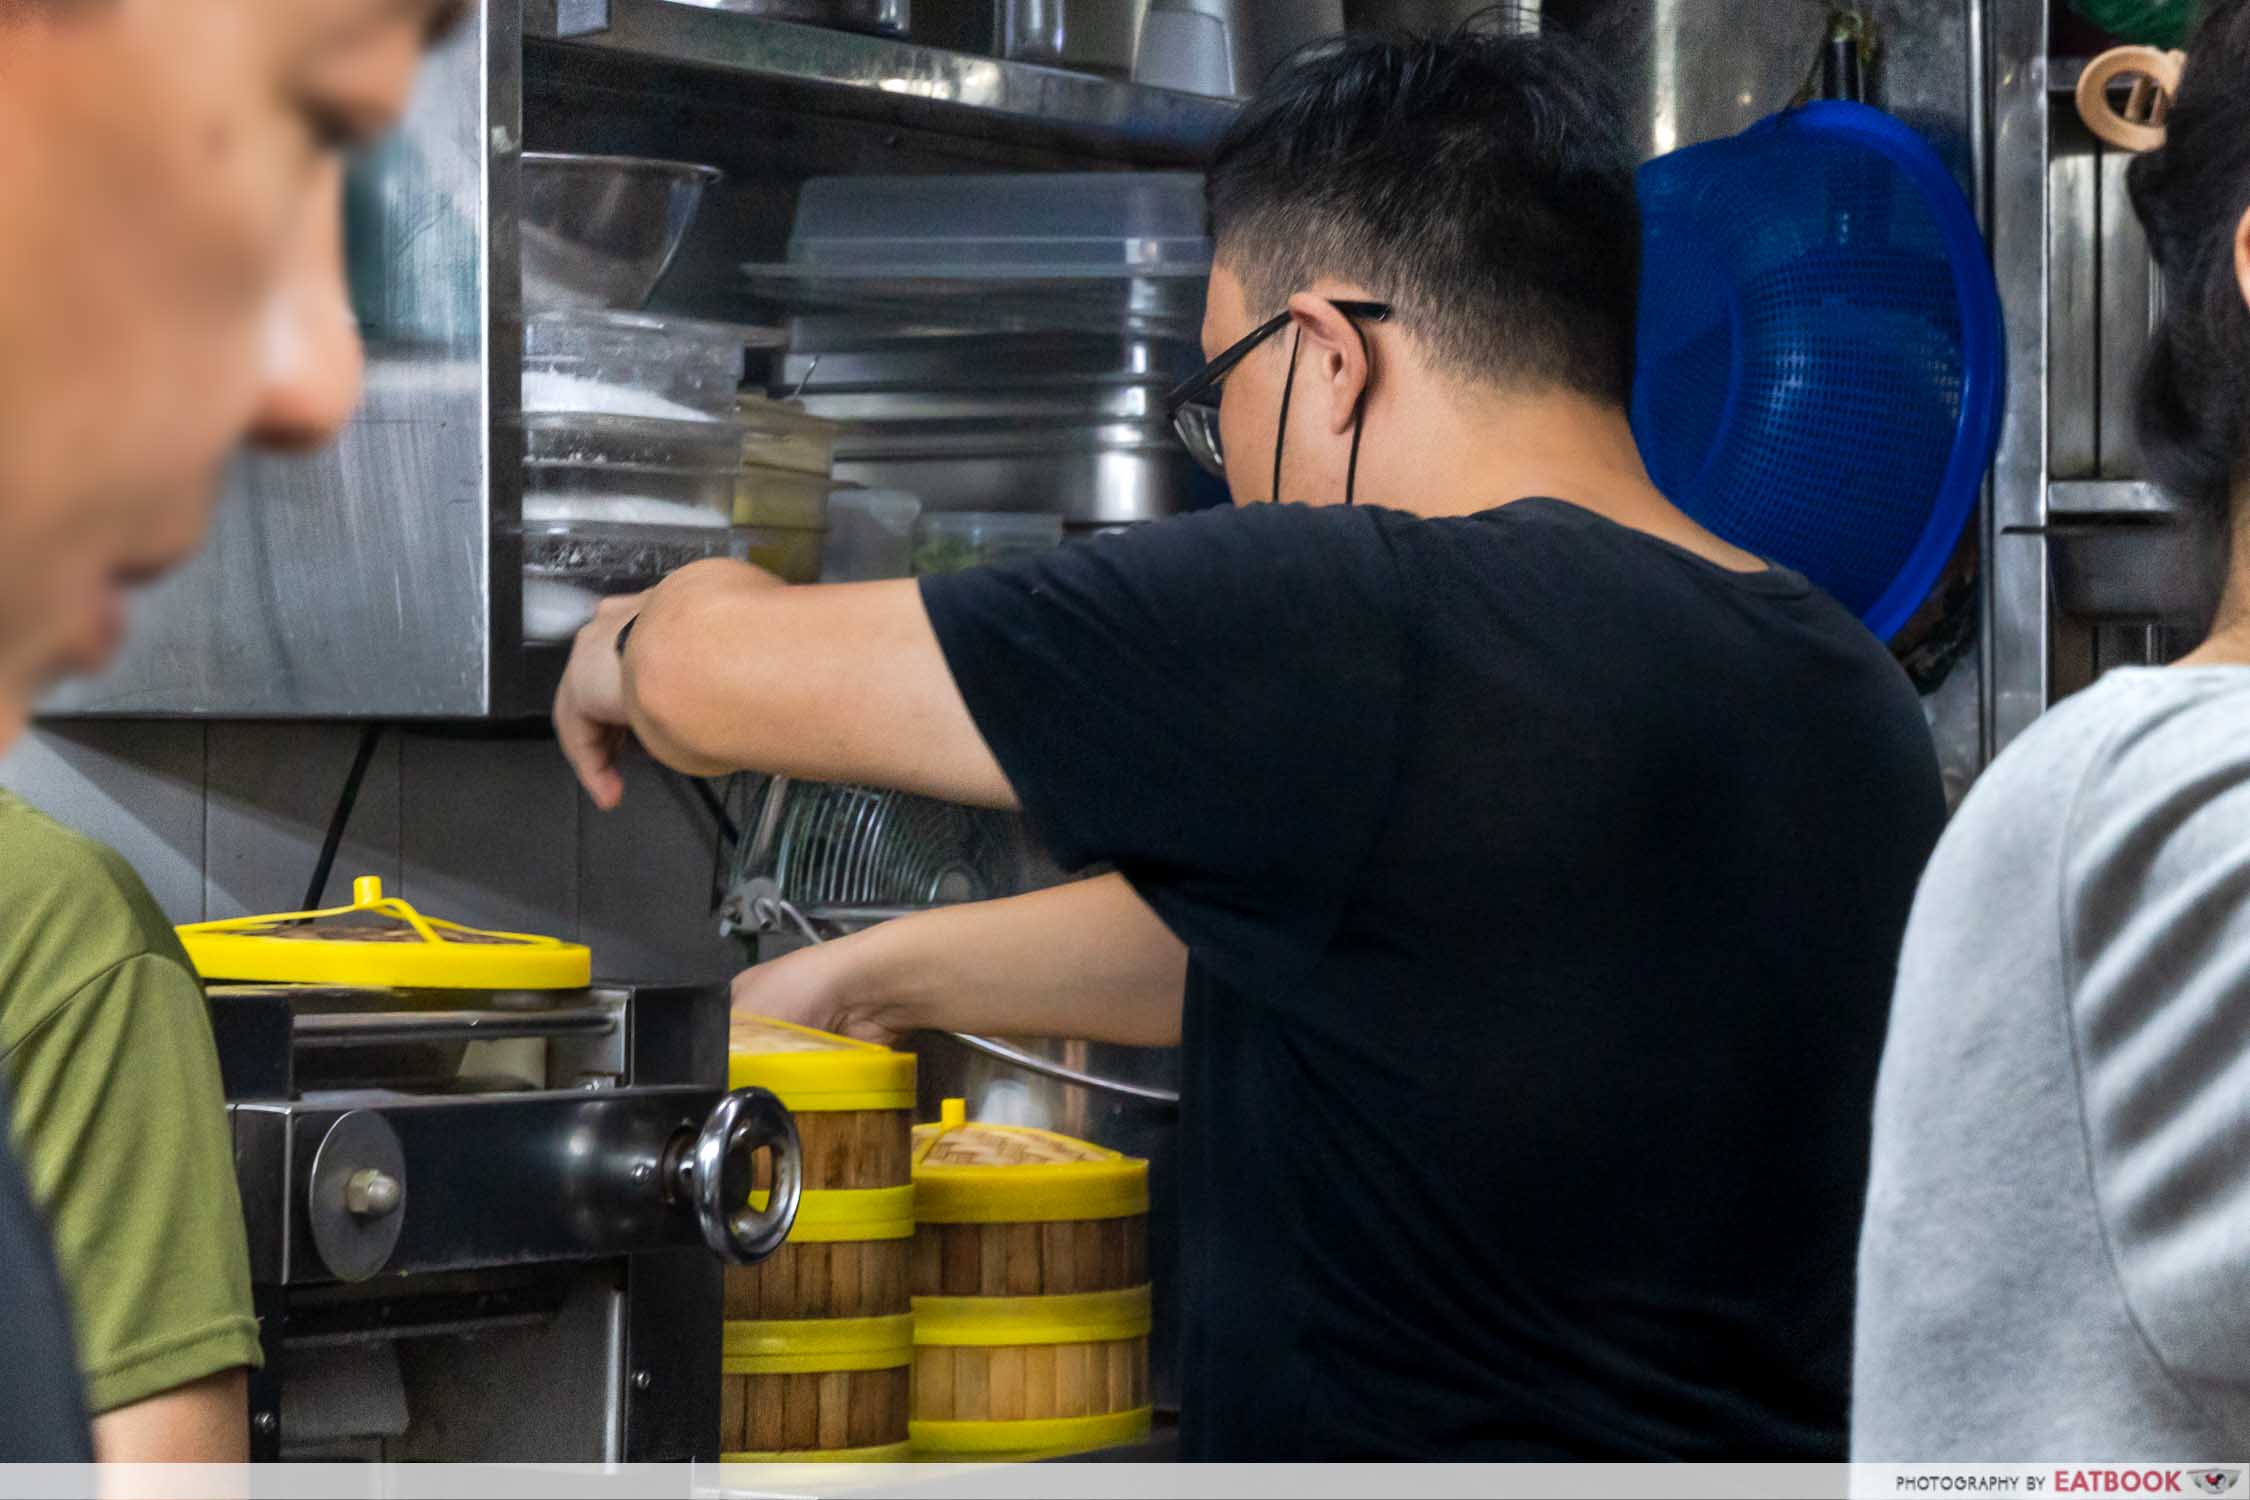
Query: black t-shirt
[(1543, 884), (42, 1416)]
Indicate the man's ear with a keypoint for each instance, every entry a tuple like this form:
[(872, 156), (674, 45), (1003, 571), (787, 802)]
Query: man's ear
[(1335, 360)]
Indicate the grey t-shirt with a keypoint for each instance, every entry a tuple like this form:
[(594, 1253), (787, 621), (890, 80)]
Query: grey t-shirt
[(2056, 1257)]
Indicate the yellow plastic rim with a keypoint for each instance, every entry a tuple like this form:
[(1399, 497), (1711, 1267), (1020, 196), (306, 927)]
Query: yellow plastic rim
[(845, 1074), (1038, 1435), (1112, 1186), (243, 949), (1067, 1318), (1038, 1193), (829, 1216), (888, 1453), (809, 1346)]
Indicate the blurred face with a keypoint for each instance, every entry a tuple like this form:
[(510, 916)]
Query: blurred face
[(171, 280)]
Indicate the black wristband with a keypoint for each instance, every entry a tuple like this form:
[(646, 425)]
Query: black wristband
[(625, 635)]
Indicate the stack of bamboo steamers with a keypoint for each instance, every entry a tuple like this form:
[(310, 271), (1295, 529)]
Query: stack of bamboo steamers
[(964, 1292)]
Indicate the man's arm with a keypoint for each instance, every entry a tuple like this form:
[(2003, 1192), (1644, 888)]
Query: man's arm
[(726, 669), (1087, 960), (206, 1421)]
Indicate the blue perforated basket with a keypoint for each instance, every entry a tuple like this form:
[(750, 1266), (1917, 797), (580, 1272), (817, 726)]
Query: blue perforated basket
[(1821, 361)]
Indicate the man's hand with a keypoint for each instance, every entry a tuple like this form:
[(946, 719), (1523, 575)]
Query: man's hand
[(813, 987), (591, 720), (730, 669)]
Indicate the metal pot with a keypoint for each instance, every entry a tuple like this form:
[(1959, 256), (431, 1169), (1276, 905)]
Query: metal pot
[(1068, 424)]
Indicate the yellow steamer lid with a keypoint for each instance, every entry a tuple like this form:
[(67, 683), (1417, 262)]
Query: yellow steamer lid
[(380, 942), (817, 1072), (1013, 1174)]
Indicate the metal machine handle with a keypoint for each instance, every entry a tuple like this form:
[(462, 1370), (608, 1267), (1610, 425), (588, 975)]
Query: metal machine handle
[(753, 1120)]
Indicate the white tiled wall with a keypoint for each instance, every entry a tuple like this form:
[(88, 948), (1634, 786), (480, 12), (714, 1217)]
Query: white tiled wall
[(224, 819)]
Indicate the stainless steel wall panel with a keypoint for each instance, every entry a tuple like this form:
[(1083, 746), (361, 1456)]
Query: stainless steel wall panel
[(355, 582), (2128, 312), (2074, 292)]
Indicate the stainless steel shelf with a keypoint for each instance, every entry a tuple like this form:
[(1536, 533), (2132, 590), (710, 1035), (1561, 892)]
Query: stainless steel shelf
[(876, 77)]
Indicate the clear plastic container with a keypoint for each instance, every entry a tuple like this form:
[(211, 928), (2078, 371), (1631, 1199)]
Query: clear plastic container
[(785, 516), (576, 461), (790, 553), (779, 497), (950, 541), (996, 226), (870, 535), (782, 435), (628, 364), (568, 566)]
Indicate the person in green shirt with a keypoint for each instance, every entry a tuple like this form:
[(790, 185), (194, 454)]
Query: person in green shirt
[(171, 287), (120, 1127)]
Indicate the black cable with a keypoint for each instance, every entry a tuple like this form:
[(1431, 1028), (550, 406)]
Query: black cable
[(717, 809), (339, 820)]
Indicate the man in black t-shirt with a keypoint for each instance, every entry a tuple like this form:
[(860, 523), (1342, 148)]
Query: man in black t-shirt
[(1519, 866)]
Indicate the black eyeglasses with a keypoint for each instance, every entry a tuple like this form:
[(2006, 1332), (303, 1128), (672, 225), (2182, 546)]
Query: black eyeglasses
[(1194, 403)]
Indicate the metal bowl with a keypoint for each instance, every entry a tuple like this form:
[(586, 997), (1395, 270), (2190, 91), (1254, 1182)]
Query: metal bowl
[(600, 231)]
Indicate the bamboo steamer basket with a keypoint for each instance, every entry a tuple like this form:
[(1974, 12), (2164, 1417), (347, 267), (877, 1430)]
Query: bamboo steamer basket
[(816, 1390), (1031, 1296), (818, 1335)]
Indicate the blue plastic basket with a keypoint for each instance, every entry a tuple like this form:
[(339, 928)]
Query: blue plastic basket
[(1821, 363)]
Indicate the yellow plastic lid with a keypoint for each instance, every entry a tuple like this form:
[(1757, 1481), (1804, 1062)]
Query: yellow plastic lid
[(380, 942), (1014, 1174), (824, 1346), (817, 1072)]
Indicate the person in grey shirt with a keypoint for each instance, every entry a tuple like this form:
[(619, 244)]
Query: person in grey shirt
[(2056, 1256)]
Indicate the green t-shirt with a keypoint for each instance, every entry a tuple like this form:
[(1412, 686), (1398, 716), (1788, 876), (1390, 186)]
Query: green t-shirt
[(119, 1119)]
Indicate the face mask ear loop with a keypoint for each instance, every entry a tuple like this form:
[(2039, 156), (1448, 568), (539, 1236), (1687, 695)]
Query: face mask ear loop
[(1359, 416), (1281, 434)]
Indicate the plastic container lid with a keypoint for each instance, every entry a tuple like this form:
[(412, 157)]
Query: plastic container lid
[(1013, 1174), (999, 226), (380, 942), (817, 1072)]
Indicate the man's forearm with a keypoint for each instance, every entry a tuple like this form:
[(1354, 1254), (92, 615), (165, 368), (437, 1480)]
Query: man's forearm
[(726, 670), (1087, 960)]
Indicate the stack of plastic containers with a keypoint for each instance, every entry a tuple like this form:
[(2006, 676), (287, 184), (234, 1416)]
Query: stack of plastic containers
[(634, 451)]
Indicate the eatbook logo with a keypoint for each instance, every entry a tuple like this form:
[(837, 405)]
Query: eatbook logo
[(2216, 1481)]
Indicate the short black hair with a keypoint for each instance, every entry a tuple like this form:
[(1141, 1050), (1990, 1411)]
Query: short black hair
[(1480, 181), (2190, 194)]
